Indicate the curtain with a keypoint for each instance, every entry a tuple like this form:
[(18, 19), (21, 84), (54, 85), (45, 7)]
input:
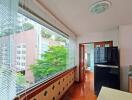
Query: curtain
[(8, 17)]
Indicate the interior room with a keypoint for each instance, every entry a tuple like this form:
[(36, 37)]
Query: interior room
[(65, 50), (89, 57)]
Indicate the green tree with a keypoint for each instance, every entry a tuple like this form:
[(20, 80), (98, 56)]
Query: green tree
[(52, 61), (21, 80), (27, 26), (45, 33)]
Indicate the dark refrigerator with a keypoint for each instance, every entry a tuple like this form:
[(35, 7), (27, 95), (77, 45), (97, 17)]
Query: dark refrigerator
[(106, 68)]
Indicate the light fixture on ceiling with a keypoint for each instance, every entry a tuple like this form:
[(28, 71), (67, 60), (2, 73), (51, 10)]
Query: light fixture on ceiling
[(100, 6)]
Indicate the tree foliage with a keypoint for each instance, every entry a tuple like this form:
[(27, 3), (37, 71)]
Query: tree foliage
[(45, 33), (21, 80), (52, 61), (27, 26)]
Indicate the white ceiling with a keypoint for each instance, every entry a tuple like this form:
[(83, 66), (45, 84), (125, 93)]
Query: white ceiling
[(75, 14)]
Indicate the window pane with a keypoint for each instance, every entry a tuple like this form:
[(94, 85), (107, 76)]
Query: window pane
[(30, 54), (38, 52)]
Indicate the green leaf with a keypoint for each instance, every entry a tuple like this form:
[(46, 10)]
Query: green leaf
[(52, 61)]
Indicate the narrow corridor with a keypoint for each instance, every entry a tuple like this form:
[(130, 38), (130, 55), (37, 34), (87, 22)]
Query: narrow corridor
[(82, 91)]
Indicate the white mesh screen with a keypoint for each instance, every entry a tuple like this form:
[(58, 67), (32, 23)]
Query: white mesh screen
[(8, 11)]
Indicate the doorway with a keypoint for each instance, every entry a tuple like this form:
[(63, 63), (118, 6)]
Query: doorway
[(86, 57), (89, 57)]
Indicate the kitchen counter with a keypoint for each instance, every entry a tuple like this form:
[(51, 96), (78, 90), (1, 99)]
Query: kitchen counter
[(112, 94)]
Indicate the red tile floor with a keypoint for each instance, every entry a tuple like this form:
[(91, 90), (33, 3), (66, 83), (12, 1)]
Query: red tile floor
[(82, 91)]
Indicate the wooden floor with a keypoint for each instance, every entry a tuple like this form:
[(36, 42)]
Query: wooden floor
[(82, 91)]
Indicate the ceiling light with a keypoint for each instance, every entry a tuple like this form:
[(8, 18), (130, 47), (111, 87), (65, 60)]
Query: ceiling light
[(100, 6)]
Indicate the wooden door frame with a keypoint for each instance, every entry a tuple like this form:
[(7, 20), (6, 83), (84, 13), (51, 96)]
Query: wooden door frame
[(80, 66), (102, 43), (80, 61)]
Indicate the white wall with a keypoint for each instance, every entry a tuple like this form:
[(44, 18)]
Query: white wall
[(106, 35), (125, 38), (100, 36)]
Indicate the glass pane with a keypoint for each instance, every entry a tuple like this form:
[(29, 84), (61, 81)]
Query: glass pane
[(39, 52), (29, 52)]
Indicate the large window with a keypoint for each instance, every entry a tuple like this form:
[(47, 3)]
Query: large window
[(30, 54), (38, 52)]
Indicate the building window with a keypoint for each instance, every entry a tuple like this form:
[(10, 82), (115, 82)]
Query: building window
[(23, 52), (18, 52), (23, 58), (23, 64)]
